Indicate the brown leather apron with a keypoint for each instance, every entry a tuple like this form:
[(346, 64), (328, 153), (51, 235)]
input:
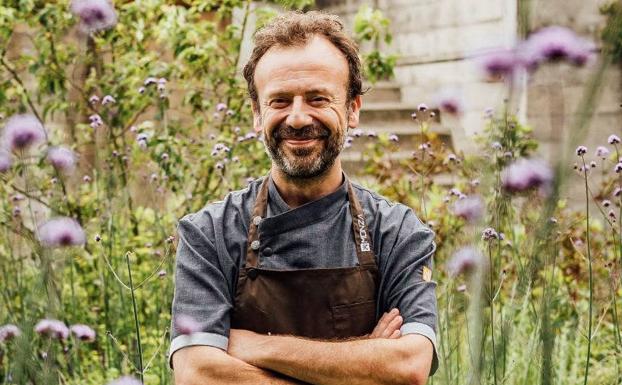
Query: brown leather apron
[(324, 303)]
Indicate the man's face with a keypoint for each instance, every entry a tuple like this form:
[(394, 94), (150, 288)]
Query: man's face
[(302, 109)]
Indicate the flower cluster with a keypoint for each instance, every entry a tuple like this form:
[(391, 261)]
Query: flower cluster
[(550, 44), (21, 132), (463, 261), (526, 174), (62, 159), (8, 332), (52, 328), (470, 208), (60, 232), (94, 15)]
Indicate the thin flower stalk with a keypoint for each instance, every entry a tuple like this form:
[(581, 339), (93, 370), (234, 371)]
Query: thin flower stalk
[(136, 323), (589, 258)]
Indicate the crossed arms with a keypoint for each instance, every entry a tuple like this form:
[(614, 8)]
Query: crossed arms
[(383, 357)]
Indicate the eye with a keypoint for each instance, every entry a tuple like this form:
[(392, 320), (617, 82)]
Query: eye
[(278, 103), (319, 100)]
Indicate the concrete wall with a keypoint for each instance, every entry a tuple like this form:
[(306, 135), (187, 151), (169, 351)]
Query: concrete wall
[(437, 40)]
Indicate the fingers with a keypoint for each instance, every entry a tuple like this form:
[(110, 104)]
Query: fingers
[(387, 325), (393, 325)]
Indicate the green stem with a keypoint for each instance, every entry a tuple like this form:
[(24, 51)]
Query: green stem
[(589, 257), (492, 316), (137, 325)]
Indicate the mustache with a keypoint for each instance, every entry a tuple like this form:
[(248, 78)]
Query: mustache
[(313, 131)]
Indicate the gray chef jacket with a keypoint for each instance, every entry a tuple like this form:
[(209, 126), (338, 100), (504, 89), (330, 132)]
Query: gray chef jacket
[(212, 249)]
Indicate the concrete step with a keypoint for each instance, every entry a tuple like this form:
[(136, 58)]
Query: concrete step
[(382, 92)]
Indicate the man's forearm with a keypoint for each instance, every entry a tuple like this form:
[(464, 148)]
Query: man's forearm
[(201, 367), (360, 362)]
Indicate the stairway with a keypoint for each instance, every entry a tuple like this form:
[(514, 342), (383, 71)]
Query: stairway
[(384, 112)]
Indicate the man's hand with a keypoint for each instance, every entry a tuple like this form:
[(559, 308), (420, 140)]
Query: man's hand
[(243, 344), (388, 326)]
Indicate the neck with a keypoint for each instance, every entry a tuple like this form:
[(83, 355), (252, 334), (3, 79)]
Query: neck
[(298, 191)]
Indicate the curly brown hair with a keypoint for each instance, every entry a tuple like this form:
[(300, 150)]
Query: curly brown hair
[(295, 28)]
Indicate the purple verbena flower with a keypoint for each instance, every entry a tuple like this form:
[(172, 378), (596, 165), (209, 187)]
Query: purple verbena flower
[(108, 99), (150, 80), (464, 260), (8, 332), (617, 191), (62, 159), (581, 150), (489, 234), (618, 168), (95, 15), (21, 132), (470, 208), (357, 132), (52, 328), (371, 134), (162, 273), (450, 101), (606, 203), (394, 138), (452, 158), (94, 99), (221, 107), (613, 139), (602, 152), (186, 324), (498, 63), (455, 191), (525, 174), (96, 121), (556, 44), (422, 107), (125, 380), (83, 332), (62, 231)]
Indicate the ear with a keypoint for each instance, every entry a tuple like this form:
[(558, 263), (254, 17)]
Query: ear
[(256, 116), (355, 109)]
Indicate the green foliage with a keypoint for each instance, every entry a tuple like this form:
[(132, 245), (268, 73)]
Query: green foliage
[(372, 26), (128, 195), (612, 33)]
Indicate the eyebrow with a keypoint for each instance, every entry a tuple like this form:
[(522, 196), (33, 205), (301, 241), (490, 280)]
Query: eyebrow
[(314, 91)]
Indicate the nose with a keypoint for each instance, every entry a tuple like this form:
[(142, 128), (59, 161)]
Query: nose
[(298, 117)]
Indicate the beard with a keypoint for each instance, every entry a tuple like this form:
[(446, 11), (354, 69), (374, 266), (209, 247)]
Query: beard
[(304, 162)]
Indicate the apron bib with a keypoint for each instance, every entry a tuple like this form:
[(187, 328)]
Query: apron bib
[(323, 303)]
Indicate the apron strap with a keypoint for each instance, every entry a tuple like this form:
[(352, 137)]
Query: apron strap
[(362, 237), (259, 212)]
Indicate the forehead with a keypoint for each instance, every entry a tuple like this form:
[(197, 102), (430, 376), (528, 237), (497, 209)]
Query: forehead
[(316, 65)]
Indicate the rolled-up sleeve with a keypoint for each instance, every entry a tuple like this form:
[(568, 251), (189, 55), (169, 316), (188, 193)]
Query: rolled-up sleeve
[(201, 287), (408, 283)]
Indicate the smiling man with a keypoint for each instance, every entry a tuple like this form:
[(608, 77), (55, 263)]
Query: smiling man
[(305, 277)]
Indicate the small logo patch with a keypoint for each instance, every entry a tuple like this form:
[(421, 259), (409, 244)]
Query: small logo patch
[(426, 274)]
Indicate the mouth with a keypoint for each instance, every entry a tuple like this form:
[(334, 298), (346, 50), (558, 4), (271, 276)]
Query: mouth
[(301, 142)]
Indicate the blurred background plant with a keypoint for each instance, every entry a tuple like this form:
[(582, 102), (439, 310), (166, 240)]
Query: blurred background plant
[(117, 121)]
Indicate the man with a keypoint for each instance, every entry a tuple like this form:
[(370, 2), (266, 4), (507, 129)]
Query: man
[(300, 277)]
